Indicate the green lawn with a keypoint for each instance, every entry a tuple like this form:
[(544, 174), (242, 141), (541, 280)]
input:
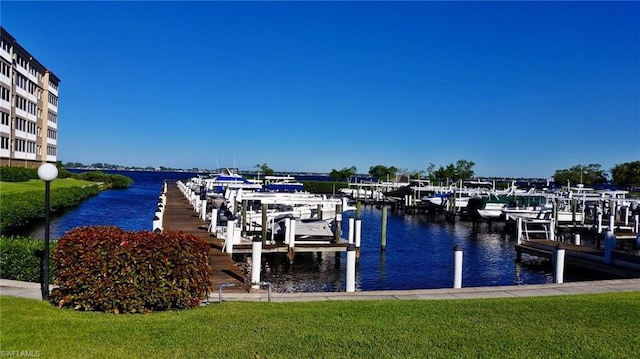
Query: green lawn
[(580, 326), (31, 185)]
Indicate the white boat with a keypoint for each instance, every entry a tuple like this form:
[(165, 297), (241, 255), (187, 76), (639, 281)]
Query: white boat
[(223, 179), (280, 205), (492, 210), (282, 184)]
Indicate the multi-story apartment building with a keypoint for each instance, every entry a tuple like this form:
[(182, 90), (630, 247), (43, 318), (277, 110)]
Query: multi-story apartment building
[(28, 107)]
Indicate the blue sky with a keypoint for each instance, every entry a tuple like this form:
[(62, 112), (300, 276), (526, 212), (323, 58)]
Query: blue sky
[(520, 88)]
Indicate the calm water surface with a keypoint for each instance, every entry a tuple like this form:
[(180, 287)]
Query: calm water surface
[(419, 253)]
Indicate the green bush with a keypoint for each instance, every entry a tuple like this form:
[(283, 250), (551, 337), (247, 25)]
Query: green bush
[(19, 209), (111, 180), (120, 181), (111, 270), (18, 260), (17, 174)]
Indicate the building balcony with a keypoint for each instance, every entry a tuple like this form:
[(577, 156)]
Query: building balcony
[(5, 55)]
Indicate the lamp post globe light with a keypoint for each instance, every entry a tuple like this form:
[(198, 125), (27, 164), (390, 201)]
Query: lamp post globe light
[(47, 172)]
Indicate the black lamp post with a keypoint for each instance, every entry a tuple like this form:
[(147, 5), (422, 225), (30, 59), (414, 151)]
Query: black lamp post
[(47, 172)]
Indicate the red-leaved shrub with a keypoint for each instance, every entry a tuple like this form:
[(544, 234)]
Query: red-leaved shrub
[(112, 270)]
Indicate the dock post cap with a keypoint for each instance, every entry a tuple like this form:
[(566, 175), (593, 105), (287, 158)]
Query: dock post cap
[(351, 247), (457, 248), (560, 246), (257, 239)]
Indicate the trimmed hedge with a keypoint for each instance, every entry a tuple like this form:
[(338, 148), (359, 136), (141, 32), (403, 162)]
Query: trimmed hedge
[(21, 174), (19, 209), (18, 260), (107, 269), (17, 174)]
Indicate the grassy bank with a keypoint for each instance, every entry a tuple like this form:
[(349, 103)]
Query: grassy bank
[(38, 185), (23, 202), (594, 326)]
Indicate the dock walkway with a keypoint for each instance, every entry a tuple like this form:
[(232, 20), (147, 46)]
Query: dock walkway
[(623, 265), (180, 216)]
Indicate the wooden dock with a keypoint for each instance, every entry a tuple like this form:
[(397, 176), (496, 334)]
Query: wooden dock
[(180, 216), (623, 265)]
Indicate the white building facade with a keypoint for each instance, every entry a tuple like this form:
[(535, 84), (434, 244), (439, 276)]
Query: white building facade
[(28, 107)]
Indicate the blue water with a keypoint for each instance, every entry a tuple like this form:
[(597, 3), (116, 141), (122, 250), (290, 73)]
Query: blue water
[(131, 209), (418, 255)]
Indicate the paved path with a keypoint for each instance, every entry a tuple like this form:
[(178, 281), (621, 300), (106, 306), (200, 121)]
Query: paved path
[(32, 290)]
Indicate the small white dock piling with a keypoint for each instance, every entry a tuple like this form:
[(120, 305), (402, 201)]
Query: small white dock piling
[(558, 263), (256, 260), (351, 269), (457, 266)]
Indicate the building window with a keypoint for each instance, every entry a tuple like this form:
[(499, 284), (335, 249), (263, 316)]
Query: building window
[(53, 99), (53, 85), (4, 142), (19, 145), (52, 117), (21, 82), (5, 69), (21, 124), (21, 103), (52, 134), (4, 117), (5, 94), (51, 150), (6, 46), (31, 127)]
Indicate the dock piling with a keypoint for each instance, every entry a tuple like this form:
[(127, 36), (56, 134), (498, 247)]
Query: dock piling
[(292, 239), (383, 235), (351, 269), (351, 230), (256, 262), (558, 263), (214, 220), (519, 230), (228, 243), (265, 207), (337, 233), (358, 236), (609, 245), (457, 266)]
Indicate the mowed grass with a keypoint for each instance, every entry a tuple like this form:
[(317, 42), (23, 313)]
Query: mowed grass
[(34, 185), (577, 326)]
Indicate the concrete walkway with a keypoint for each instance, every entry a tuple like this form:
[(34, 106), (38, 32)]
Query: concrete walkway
[(32, 290)]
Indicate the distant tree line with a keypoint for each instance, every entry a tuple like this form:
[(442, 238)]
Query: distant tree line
[(625, 175), (461, 170), (114, 167)]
